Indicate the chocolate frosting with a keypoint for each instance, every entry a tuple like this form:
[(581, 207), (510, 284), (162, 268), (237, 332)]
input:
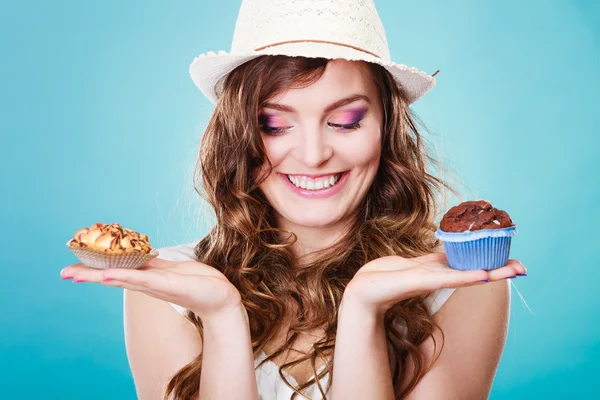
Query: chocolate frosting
[(473, 216)]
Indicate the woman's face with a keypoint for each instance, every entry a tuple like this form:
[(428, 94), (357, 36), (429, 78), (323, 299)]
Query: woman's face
[(324, 142)]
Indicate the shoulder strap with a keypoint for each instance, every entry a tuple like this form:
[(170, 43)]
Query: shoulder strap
[(436, 300)]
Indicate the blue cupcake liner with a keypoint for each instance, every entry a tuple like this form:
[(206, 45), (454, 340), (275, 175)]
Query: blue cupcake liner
[(483, 249)]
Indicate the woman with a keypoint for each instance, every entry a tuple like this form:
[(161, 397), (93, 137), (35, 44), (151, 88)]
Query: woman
[(323, 253)]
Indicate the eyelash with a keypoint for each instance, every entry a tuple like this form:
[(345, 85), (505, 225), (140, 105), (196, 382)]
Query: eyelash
[(280, 130)]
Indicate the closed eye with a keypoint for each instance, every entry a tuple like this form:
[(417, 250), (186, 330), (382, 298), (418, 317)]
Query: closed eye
[(274, 130), (279, 130), (348, 127)]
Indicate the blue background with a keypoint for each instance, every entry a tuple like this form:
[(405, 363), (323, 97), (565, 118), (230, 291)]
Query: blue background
[(100, 121)]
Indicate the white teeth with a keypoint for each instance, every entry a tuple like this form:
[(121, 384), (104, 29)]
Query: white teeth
[(313, 184)]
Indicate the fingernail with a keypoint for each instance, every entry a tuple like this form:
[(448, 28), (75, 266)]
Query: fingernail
[(78, 280), (485, 281), (511, 277), (106, 279), (64, 278), (521, 274)]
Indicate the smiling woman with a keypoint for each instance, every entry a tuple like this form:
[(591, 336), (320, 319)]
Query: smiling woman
[(323, 253), (294, 253)]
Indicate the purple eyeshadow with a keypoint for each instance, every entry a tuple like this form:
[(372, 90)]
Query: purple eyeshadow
[(349, 117), (271, 120)]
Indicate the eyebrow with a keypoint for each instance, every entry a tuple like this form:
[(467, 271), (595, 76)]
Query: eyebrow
[(329, 108)]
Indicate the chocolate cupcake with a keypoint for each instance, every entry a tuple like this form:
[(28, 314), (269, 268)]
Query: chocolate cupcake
[(476, 236), (111, 246)]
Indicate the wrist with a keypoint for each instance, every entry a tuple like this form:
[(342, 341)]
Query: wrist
[(352, 307), (233, 313), (230, 330)]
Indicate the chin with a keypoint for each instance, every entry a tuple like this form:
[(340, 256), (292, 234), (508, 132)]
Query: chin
[(315, 218)]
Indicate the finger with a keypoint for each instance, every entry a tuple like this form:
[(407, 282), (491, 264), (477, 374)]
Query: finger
[(90, 275), (158, 263), (456, 278), (476, 283), (188, 267), (69, 271), (398, 263), (511, 269), (129, 286), (95, 275), (518, 265), (419, 280), (158, 281), (87, 274)]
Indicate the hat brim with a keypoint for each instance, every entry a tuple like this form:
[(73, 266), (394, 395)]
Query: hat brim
[(208, 68)]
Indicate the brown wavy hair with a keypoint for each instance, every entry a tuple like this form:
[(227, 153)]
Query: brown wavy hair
[(396, 217)]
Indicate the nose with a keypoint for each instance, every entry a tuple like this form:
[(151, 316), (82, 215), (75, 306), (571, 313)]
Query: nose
[(315, 149)]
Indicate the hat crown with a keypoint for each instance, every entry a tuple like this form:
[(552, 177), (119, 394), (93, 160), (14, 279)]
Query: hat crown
[(353, 23)]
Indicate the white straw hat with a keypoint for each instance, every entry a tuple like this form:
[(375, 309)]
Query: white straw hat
[(348, 29)]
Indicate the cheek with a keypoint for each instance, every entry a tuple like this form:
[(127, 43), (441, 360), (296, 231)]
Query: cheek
[(362, 148), (276, 150)]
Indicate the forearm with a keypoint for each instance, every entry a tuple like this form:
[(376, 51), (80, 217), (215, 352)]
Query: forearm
[(361, 367), (227, 360)]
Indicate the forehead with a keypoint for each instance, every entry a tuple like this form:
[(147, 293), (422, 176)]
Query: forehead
[(341, 78)]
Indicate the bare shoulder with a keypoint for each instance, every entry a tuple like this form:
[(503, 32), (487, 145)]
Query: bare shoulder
[(474, 322), (476, 315), (159, 342), (489, 301)]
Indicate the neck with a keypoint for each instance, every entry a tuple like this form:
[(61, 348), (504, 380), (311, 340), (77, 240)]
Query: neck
[(311, 239)]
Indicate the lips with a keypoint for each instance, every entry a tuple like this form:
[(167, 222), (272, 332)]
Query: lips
[(320, 193), (314, 176)]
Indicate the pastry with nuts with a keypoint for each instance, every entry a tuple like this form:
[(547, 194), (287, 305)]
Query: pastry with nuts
[(111, 246)]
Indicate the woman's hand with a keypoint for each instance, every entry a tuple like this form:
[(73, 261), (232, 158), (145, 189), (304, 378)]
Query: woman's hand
[(190, 284), (385, 281)]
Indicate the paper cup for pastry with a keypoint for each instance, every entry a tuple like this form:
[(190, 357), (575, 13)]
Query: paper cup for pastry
[(95, 259), (483, 249)]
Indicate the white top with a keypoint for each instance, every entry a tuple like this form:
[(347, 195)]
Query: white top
[(270, 385)]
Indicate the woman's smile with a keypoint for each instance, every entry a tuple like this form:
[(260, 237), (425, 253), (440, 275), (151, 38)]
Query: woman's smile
[(315, 186)]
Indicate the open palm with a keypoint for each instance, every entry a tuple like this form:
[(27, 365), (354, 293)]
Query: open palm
[(385, 281), (190, 284)]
